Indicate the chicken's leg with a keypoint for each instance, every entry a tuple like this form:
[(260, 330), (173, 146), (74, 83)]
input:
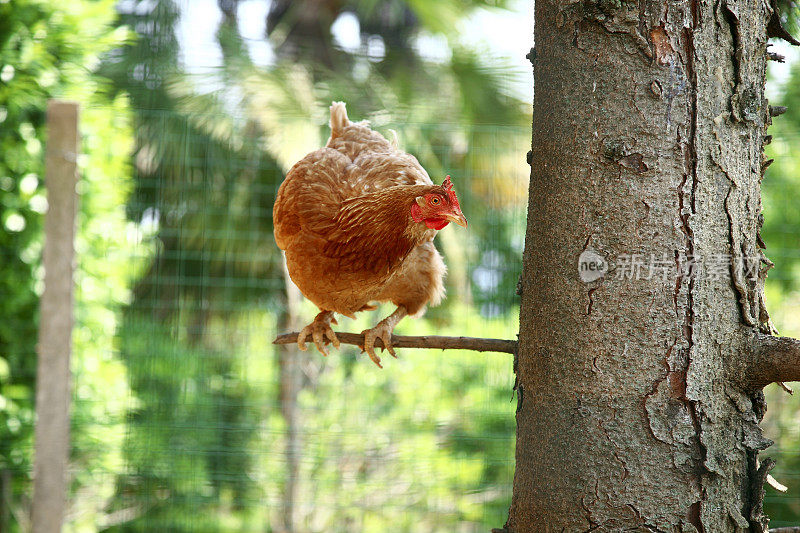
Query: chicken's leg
[(319, 329), (383, 329)]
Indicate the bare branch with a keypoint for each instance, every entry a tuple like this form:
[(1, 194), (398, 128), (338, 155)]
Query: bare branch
[(425, 341), (771, 360), (757, 495), (790, 529)]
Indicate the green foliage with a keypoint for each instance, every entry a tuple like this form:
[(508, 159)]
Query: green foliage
[(429, 442), (22, 103), (781, 233), (104, 244), (205, 185), (49, 50), (426, 446), (192, 431), (781, 216)]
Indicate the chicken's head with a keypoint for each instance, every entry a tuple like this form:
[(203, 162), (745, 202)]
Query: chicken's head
[(439, 207)]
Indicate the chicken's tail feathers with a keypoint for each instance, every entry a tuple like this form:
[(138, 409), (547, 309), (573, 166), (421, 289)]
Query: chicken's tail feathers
[(339, 119), (394, 141)]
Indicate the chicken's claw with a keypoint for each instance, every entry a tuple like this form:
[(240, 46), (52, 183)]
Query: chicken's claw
[(383, 331), (320, 331)]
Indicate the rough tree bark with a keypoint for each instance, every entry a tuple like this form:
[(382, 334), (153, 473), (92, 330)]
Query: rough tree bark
[(639, 393)]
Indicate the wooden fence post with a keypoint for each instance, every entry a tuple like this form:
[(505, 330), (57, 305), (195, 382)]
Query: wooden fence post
[(56, 320)]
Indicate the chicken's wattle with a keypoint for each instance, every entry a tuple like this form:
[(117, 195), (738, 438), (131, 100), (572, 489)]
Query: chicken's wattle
[(436, 223)]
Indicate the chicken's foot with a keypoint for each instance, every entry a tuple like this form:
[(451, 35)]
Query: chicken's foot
[(383, 329), (320, 330)]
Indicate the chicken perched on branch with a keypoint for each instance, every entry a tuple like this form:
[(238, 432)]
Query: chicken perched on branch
[(357, 220)]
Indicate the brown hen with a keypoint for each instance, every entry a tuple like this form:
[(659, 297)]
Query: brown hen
[(357, 221)]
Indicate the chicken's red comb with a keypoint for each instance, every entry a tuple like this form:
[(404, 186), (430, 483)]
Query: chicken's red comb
[(448, 186)]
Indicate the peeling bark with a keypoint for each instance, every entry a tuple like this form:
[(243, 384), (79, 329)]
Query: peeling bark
[(642, 400)]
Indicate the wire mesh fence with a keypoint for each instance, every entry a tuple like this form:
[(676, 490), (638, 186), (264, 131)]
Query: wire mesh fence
[(187, 418), (224, 431)]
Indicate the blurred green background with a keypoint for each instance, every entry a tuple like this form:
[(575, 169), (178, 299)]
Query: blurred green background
[(185, 416)]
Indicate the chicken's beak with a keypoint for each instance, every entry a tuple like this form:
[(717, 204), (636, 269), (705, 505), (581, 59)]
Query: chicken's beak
[(458, 218)]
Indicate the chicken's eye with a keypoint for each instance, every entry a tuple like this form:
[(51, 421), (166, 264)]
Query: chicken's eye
[(435, 200)]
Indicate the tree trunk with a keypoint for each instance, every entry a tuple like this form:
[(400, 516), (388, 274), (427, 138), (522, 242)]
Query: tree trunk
[(639, 378)]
